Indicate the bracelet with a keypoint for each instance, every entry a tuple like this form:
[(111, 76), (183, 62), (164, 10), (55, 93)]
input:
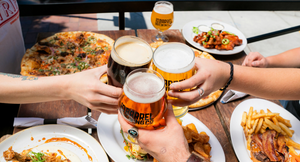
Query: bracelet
[(230, 78), (194, 158)]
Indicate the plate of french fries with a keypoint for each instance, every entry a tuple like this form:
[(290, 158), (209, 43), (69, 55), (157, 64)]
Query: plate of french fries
[(256, 116)]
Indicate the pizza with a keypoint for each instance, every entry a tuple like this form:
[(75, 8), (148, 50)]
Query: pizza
[(212, 97), (66, 53)]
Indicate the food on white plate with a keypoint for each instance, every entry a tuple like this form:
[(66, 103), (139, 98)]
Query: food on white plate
[(215, 38), (268, 136), (30, 156), (198, 143)]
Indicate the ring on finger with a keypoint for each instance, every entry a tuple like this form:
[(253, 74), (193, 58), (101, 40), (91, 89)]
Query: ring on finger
[(201, 93), (133, 132)]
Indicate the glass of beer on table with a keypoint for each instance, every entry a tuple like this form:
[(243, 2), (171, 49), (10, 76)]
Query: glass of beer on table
[(162, 19), (175, 62), (128, 53), (143, 102)]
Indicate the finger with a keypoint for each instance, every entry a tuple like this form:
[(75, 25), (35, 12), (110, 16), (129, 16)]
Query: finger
[(104, 107), (98, 99), (169, 116), (108, 90), (112, 111), (124, 124), (192, 82), (186, 95)]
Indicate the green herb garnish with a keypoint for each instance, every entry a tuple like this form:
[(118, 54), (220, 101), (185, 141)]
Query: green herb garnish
[(195, 30), (38, 156)]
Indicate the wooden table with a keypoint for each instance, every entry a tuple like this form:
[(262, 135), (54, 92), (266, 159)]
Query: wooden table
[(216, 117)]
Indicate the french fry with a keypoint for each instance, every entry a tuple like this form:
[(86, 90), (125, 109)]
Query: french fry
[(259, 125), (269, 111), (284, 121), (275, 121), (264, 115), (244, 119), (292, 131), (249, 117), (252, 123), (272, 125), (262, 131), (262, 111), (250, 131), (286, 129), (255, 124), (290, 142)]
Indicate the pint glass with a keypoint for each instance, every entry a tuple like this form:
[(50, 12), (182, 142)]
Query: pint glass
[(128, 53), (175, 62), (142, 103)]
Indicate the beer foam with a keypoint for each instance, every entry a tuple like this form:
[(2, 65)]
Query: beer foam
[(174, 58), (144, 88), (133, 52), (163, 9)]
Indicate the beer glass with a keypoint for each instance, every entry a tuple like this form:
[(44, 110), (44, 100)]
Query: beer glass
[(128, 53), (175, 62), (142, 103), (162, 19)]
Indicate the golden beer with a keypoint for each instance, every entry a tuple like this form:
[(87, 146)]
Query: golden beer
[(175, 62), (162, 19), (143, 101)]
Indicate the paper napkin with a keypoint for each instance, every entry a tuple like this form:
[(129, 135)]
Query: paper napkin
[(80, 122), (232, 95)]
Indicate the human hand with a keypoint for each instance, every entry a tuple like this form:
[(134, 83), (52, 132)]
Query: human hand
[(255, 59), (211, 75), (86, 88), (165, 145)]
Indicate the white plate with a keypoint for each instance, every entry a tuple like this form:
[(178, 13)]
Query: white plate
[(33, 137), (236, 131), (108, 129), (189, 36)]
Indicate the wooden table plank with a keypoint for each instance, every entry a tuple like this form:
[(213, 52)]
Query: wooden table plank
[(207, 116)]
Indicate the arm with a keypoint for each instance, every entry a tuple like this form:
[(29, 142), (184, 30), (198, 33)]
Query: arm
[(271, 83), (288, 58), (84, 87)]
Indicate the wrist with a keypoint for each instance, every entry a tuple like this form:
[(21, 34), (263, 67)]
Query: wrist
[(228, 75)]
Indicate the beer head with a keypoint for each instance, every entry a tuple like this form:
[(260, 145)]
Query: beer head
[(128, 53), (163, 7), (174, 58), (144, 86), (131, 51)]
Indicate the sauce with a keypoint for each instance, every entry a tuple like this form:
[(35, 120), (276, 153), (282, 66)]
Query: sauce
[(217, 26), (203, 28), (31, 138), (63, 139)]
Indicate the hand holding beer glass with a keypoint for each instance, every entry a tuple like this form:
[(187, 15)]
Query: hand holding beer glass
[(143, 103), (175, 62), (162, 19)]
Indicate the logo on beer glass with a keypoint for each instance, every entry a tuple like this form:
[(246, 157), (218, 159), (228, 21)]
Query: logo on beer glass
[(143, 101)]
